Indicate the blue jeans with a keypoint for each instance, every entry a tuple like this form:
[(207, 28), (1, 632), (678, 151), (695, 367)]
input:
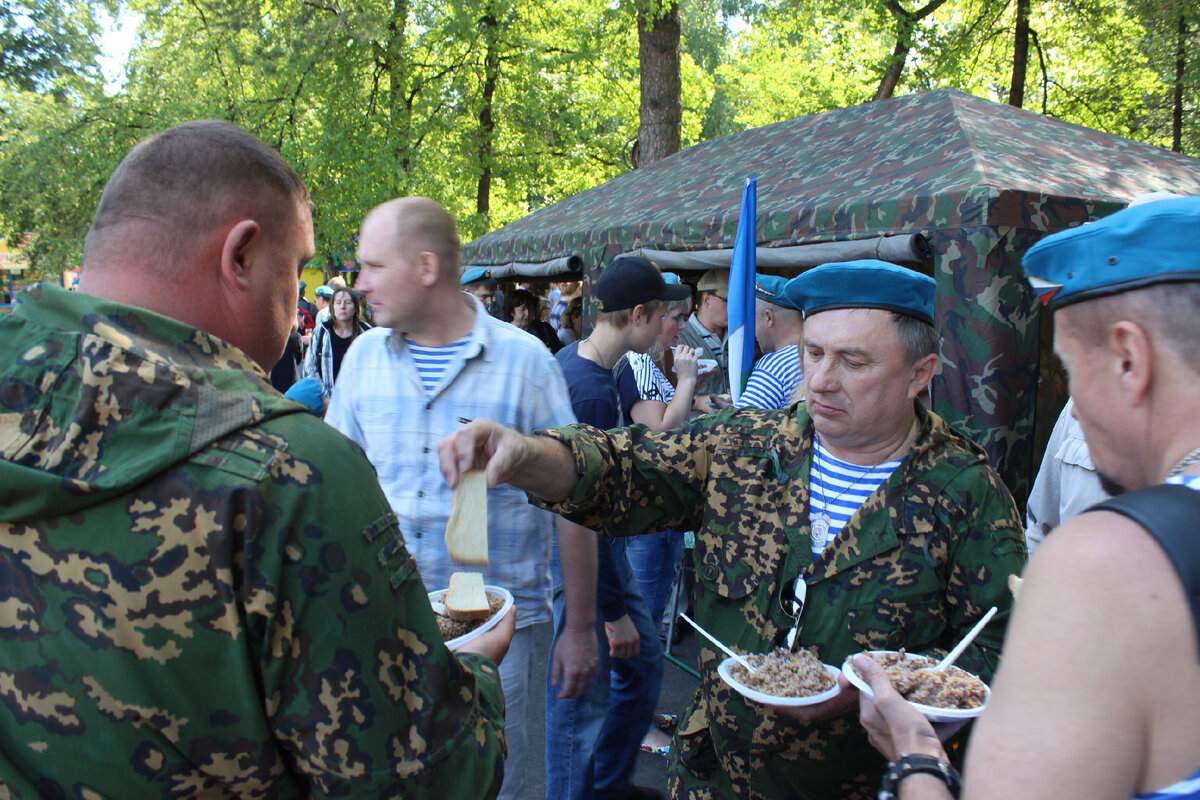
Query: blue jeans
[(593, 740), (654, 558)]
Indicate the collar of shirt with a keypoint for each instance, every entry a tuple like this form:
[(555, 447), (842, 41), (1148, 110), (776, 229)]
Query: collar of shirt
[(480, 343)]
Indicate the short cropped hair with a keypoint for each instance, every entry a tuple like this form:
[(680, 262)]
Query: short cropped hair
[(191, 178), (619, 319), (917, 337), (423, 225), (1171, 310)]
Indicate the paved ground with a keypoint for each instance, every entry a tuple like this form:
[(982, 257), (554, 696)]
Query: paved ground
[(678, 688)]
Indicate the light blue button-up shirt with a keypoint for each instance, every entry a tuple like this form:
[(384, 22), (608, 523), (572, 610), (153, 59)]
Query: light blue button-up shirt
[(503, 374)]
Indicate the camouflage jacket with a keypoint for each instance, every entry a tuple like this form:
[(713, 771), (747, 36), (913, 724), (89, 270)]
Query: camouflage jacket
[(927, 554), (203, 591)]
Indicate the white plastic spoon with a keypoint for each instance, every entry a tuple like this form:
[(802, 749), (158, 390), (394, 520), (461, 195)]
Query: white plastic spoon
[(713, 639), (953, 655)]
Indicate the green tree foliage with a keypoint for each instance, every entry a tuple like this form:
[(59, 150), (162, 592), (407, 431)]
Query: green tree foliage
[(498, 107)]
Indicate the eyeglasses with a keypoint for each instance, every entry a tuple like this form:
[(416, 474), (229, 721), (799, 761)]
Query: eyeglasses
[(724, 300), (791, 600)]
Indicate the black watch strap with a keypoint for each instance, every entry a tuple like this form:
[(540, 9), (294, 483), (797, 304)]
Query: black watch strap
[(907, 765)]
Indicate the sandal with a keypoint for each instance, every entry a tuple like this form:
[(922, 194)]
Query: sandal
[(666, 722)]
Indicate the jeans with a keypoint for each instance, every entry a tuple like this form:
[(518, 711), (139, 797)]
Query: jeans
[(515, 671), (593, 740), (654, 558)]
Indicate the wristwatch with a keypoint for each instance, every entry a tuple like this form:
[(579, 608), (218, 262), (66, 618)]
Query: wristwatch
[(907, 765)]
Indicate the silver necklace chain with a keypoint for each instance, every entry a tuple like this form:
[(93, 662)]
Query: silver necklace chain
[(820, 522), (1184, 463)]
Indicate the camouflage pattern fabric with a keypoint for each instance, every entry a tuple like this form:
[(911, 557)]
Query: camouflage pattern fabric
[(203, 592), (924, 557), (982, 180)]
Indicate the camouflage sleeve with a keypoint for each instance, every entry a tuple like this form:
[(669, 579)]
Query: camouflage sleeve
[(632, 481), (989, 545), (360, 688)]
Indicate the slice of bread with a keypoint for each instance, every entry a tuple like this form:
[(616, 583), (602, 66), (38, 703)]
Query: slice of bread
[(466, 530), (467, 599)]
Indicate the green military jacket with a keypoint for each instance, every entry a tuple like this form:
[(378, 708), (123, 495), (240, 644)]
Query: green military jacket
[(925, 556), (203, 591)]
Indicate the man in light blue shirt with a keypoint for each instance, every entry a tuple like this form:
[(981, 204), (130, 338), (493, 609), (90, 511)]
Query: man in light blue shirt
[(436, 360)]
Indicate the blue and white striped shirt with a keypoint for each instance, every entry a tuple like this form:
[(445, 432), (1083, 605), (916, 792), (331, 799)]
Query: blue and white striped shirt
[(773, 380), (838, 488), (432, 362), (501, 374)]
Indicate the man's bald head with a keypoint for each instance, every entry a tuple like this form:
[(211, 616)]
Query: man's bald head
[(421, 225), (181, 184)]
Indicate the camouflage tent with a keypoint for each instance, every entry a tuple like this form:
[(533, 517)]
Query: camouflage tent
[(980, 180)]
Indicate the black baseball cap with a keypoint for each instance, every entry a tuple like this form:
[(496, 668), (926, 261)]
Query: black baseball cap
[(631, 280)]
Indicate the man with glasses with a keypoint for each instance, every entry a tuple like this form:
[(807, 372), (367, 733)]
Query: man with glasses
[(705, 333), (856, 520)]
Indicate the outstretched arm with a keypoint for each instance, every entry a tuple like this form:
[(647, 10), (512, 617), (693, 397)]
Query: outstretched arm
[(535, 464)]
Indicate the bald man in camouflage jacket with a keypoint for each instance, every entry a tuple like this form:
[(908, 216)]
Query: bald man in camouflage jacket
[(917, 563), (203, 591)]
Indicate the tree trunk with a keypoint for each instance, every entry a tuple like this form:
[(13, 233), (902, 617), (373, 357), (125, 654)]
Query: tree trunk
[(892, 76), (394, 61), (1177, 100), (661, 115), (906, 25), (487, 125), (1016, 89)]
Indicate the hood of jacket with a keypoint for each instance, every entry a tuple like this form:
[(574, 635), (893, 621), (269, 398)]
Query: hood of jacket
[(96, 397)]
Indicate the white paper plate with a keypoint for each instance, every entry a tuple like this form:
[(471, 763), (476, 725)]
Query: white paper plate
[(455, 643), (774, 700), (931, 713)]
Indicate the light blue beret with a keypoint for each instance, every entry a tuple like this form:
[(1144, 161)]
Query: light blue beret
[(472, 274), (770, 288), (1136, 247), (866, 283)]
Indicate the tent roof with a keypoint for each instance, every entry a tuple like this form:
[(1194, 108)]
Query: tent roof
[(939, 159)]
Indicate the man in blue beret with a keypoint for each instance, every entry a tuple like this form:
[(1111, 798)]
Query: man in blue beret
[(479, 282), (855, 520), (1099, 696), (778, 326)]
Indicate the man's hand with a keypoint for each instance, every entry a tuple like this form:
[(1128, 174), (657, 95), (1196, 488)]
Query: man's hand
[(481, 444), (494, 644), (573, 661), (623, 638), (893, 725)]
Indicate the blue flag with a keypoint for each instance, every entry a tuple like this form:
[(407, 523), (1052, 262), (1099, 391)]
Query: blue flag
[(741, 294)]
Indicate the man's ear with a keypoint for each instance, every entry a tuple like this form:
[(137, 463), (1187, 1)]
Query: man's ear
[(637, 314), (428, 268), (237, 254), (923, 371), (1132, 359)]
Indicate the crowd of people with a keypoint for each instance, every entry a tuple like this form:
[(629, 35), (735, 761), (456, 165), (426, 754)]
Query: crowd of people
[(210, 591)]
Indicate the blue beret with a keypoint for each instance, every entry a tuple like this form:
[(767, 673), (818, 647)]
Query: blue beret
[(863, 284), (472, 274), (670, 278), (324, 291), (308, 392), (770, 288), (1139, 246)]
